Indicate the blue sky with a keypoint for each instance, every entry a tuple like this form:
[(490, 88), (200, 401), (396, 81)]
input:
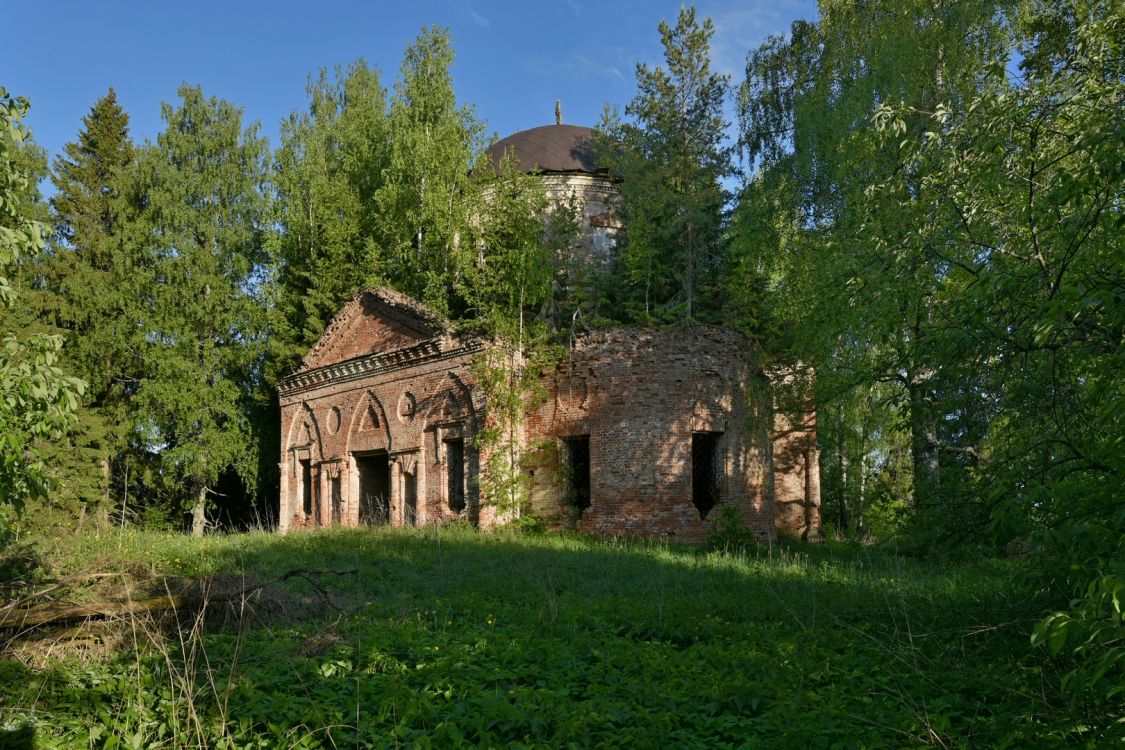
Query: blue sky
[(513, 58)]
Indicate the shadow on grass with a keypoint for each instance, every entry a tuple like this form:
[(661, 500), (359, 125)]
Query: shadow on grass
[(525, 574), (17, 739)]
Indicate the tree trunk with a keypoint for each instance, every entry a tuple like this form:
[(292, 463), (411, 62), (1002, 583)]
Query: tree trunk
[(104, 463), (857, 512), (101, 514), (199, 512), (690, 280), (61, 611), (861, 496), (923, 443)]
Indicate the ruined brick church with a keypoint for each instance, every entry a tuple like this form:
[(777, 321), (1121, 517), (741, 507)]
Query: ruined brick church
[(643, 432)]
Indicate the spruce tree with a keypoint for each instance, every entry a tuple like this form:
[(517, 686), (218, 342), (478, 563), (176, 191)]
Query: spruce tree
[(203, 228), (672, 160), (85, 206), (89, 296)]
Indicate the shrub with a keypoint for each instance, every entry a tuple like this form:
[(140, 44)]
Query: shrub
[(731, 534)]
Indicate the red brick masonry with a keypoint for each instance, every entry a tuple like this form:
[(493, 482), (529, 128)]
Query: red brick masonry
[(378, 426)]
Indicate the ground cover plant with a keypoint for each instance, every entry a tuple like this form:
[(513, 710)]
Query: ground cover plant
[(938, 241), (447, 637)]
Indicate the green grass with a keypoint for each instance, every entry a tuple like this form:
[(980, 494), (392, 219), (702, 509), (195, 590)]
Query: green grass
[(449, 638)]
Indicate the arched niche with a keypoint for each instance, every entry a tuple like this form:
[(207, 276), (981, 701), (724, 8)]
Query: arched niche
[(453, 404), (304, 434), (713, 400), (369, 429)]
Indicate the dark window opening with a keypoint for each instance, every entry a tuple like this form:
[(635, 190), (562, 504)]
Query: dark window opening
[(455, 474), (374, 489), (706, 468), (306, 486), (334, 494), (472, 484), (410, 499), (577, 469)]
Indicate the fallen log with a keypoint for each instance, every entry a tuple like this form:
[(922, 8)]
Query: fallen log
[(48, 613)]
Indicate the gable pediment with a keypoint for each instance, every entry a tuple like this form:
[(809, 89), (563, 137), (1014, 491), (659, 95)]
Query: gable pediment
[(371, 322)]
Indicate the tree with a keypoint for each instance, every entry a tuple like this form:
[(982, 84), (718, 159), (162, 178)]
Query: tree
[(85, 203), (1026, 183), (37, 400), (504, 268), (864, 278), (203, 227), (90, 295), (672, 161), (326, 173), (426, 202), (964, 219)]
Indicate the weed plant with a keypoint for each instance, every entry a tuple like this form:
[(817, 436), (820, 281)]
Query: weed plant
[(449, 638)]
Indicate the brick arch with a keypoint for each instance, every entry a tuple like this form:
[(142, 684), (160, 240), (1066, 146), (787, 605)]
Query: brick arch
[(573, 392), (305, 416), (378, 438), (454, 400), (712, 402)]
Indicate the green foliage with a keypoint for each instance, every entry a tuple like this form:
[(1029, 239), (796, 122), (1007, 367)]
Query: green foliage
[(88, 294), (865, 462), (861, 277), (1093, 631), (37, 401), (202, 229), (963, 219), (509, 255), (528, 525), (509, 375), (326, 173), (507, 265), (577, 642), (1027, 183), (425, 202), (672, 158), (730, 532)]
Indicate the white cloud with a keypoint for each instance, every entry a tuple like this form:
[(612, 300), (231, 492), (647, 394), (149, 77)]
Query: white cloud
[(477, 18), (582, 64), (578, 64), (743, 27)]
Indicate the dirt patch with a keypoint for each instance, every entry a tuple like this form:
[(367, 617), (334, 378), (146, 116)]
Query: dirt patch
[(96, 615)]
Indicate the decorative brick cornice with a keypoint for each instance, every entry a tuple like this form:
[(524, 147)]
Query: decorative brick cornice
[(582, 183), (431, 350)]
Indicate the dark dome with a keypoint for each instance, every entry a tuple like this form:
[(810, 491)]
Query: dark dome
[(549, 148)]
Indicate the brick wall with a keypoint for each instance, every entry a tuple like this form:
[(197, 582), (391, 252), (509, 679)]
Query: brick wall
[(640, 395), (407, 414), (797, 474)]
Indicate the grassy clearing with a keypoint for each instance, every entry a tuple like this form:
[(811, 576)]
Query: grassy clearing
[(447, 637)]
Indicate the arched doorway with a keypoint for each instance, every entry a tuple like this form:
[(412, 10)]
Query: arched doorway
[(368, 450)]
